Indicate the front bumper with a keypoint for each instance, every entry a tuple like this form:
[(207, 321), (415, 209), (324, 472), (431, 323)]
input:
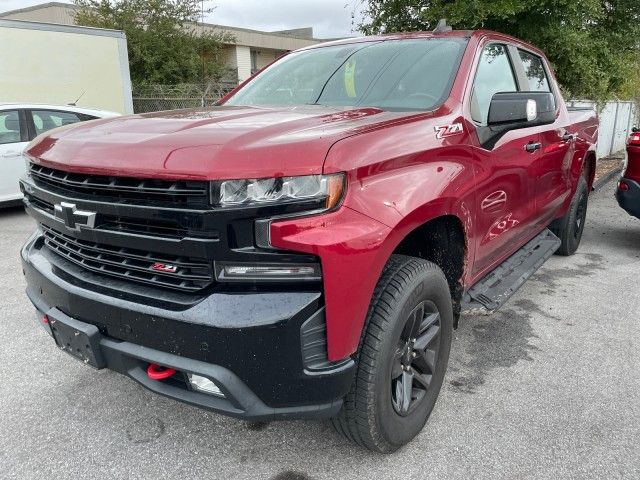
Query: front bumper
[(251, 344), (629, 199)]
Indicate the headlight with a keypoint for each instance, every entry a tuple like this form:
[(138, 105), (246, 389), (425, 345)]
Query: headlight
[(327, 190)]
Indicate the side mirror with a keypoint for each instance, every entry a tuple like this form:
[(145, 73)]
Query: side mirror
[(635, 130), (509, 111)]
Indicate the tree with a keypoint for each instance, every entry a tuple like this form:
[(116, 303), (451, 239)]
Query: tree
[(165, 44), (593, 45)]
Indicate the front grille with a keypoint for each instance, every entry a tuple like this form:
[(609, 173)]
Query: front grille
[(177, 194), (191, 275), (152, 227)]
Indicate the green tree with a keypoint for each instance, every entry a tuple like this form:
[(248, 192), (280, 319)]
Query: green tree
[(593, 45), (166, 46)]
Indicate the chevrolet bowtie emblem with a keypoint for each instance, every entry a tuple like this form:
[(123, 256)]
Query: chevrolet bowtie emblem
[(73, 218)]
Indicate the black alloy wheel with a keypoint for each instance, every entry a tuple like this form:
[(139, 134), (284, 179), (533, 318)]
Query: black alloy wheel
[(416, 356), (570, 227), (402, 356)]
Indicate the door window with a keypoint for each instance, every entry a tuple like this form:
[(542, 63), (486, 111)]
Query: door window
[(534, 71), (494, 75), (10, 127), (47, 119)]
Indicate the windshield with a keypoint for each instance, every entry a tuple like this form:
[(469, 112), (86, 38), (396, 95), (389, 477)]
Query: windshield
[(412, 74)]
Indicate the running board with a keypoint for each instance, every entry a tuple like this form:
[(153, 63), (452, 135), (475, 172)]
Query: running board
[(490, 293)]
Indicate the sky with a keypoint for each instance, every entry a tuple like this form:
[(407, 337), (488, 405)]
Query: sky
[(329, 18)]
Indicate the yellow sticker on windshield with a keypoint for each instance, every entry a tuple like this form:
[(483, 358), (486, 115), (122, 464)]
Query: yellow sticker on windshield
[(350, 78)]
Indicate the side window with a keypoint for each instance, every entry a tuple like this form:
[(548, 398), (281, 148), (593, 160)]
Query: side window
[(10, 127), (534, 70), (47, 119), (494, 75)]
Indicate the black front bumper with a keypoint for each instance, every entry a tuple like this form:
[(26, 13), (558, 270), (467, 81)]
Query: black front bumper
[(249, 343), (629, 199)]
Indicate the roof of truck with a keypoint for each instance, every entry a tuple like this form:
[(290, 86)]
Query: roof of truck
[(430, 34)]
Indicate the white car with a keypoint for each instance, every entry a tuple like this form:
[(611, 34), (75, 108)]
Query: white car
[(21, 123)]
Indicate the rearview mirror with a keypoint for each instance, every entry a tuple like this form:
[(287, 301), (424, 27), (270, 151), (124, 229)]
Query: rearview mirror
[(521, 110)]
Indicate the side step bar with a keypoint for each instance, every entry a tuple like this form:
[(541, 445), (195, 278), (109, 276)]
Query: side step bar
[(493, 290)]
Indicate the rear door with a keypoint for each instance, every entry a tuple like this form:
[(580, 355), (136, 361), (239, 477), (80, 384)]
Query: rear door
[(553, 172), (13, 139), (505, 169)]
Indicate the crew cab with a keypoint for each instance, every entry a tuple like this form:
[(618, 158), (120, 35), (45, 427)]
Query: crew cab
[(628, 192), (305, 247)]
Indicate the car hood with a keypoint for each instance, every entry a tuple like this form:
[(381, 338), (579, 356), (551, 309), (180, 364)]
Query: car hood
[(213, 143)]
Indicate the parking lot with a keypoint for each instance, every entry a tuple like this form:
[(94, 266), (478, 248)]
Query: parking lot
[(546, 388)]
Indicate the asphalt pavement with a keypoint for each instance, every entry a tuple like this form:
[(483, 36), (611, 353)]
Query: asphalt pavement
[(548, 387)]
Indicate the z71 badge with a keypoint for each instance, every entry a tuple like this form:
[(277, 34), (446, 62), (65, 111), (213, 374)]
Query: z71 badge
[(449, 130)]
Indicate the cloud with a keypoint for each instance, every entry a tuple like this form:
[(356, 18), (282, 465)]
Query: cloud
[(329, 18)]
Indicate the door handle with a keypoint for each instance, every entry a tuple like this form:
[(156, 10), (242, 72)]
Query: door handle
[(532, 146), (10, 154), (567, 137)]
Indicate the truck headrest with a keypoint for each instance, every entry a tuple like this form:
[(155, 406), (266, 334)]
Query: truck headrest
[(12, 123)]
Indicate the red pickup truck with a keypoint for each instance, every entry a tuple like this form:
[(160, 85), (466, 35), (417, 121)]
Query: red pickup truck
[(304, 248), (628, 193)]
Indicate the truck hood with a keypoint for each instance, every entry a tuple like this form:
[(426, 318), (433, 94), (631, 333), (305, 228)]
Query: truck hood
[(213, 143)]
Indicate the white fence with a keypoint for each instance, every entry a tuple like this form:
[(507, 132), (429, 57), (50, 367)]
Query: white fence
[(616, 121)]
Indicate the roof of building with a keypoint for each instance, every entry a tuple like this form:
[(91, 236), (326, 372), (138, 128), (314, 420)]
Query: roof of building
[(62, 13), (28, 25)]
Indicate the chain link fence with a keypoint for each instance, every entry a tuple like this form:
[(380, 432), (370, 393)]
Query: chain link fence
[(153, 98)]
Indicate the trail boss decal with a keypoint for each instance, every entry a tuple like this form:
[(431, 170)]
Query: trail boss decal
[(449, 130)]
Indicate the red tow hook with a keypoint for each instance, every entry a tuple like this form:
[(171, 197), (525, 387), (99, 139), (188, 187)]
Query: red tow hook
[(157, 372)]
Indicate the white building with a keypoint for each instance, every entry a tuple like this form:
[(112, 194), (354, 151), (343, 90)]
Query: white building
[(251, 50)]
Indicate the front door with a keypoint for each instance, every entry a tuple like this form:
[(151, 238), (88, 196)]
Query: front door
[(505, 170), (13, 139)]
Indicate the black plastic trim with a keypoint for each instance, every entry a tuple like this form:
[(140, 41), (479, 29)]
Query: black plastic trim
[(253, 334), (629, 200)]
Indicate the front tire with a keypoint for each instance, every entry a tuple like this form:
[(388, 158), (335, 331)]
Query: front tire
[(402, 358), (569, 228)]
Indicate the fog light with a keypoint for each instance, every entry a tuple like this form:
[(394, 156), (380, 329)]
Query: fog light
[(267, 272), (204, 385)]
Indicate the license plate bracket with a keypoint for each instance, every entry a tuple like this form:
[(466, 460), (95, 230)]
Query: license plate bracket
[(78, 339)]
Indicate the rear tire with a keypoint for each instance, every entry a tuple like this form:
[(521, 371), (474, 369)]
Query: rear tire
[(569, 228), (402, 357)]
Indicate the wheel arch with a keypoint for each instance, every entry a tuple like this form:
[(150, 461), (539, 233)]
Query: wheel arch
[(442, 240)]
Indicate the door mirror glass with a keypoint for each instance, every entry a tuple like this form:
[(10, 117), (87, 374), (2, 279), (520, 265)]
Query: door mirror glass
[(521, 110)]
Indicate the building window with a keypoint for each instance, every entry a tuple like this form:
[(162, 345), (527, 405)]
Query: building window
[(254, 61)]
